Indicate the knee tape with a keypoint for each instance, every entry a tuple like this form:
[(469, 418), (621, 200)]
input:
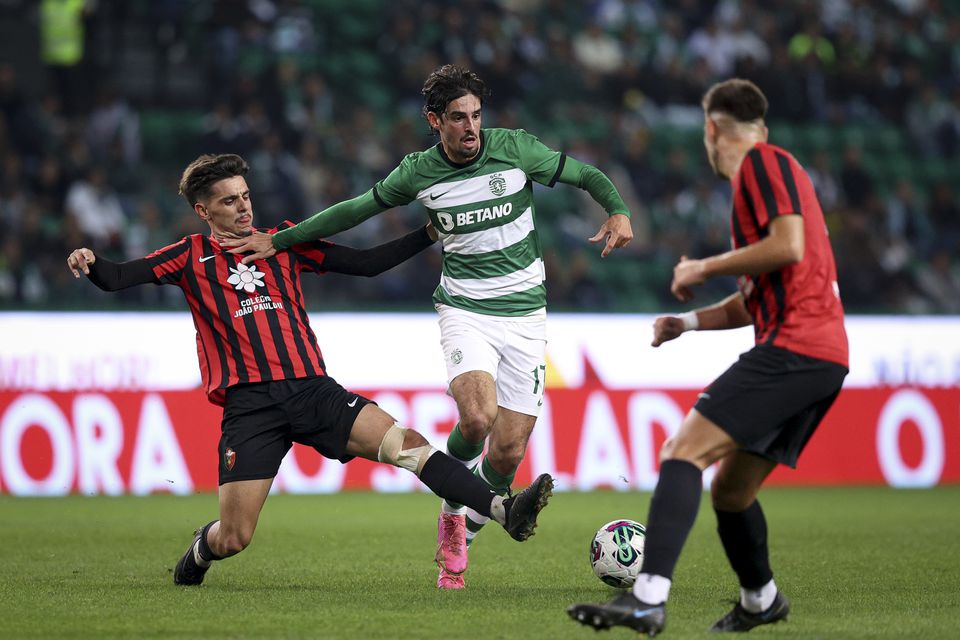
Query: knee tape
[(392, 451)]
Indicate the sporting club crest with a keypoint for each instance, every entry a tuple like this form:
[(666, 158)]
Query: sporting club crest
[(498, 184)]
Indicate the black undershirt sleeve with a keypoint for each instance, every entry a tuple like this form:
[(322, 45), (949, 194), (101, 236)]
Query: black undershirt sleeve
[(113, 276), (376, 260)]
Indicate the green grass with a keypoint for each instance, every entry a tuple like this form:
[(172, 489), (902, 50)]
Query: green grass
[(857, 563)]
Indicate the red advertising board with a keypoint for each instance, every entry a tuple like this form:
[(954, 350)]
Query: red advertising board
[(54, 443)]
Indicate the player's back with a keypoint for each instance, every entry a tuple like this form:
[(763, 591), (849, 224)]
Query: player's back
[(797, 307)]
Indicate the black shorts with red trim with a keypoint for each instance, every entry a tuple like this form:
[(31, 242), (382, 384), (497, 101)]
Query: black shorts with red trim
[(771, 401), (262, 420)]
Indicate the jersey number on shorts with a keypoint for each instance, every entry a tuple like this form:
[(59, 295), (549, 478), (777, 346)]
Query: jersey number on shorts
[(538, 373)]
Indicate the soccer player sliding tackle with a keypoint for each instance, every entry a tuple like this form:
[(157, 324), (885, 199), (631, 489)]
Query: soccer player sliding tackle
[(476, 185), (261, 362)]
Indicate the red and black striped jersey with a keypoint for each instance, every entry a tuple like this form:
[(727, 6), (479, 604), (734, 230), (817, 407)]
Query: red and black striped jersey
[(251, 321), (797, 307)]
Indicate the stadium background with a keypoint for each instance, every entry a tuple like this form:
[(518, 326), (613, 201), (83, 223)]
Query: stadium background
[(103, 103)]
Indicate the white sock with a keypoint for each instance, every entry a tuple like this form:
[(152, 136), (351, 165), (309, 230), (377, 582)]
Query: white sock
[(196, 556), (758, 600), (476, 518), (497, 512), (446, 508), (651, 589)]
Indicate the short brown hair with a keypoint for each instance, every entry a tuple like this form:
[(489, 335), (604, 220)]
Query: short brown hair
[(738, 98), (206, 170)]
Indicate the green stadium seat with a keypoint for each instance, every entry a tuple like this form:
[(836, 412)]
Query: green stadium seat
[(167, 134), (856, 135), (816, 137), (783, 134), (888, 140), (934, 171)]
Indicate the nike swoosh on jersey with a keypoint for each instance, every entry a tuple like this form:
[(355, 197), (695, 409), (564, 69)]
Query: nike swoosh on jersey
[(353, 402), (439, 195), (205, 258)]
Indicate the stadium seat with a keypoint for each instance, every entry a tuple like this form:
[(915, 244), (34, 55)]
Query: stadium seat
[(168, 135), (816, 137), (887, 140)]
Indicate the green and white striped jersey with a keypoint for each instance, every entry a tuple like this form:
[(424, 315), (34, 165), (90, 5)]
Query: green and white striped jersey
[(484, 213)]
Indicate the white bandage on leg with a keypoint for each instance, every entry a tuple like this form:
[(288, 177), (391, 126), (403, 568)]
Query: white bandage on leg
[(392, 451)]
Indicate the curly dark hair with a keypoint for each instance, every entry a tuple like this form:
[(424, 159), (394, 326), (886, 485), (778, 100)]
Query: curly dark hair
[(447, 83), (738, 98), (206, 170)]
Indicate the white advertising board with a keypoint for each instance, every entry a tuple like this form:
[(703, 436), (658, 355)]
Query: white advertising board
[(157, 351)]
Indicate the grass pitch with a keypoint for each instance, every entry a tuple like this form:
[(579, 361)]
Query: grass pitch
[(857, 563)]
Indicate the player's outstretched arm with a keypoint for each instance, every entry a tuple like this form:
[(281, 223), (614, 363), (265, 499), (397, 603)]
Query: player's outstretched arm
[(376, 260), (109, 275), (339, 217)]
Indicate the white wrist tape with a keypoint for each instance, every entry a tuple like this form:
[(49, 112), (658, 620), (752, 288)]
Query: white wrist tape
[(690, 321)]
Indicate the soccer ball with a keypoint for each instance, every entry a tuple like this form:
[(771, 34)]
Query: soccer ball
[(617, 552)]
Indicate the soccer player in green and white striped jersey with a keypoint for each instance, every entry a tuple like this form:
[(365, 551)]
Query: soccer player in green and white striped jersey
[(477, 188)]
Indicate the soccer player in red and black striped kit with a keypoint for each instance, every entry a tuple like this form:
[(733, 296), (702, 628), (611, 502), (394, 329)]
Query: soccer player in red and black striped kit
[(762, 411), (260, 360)]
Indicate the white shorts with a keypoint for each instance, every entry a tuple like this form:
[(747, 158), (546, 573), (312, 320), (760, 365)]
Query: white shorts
[(511, 349)]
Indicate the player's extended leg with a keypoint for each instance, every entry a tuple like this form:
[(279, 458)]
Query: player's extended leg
[(673, 510), (240, 505), (476, 396), (508, 444), (376, 436), (743, 532)]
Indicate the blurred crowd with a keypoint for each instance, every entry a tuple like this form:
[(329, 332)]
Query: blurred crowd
[(323, 98)]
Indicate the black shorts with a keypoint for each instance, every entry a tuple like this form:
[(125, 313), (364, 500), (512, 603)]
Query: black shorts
[(772, 400), (262, 420)]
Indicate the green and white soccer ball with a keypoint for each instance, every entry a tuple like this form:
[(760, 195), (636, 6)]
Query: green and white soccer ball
[(616, 552)]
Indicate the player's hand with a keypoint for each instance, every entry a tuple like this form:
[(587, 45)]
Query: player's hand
[(258, 244), (80, 260), (617, 232), (432, 232), (666, 328), (686, 274)]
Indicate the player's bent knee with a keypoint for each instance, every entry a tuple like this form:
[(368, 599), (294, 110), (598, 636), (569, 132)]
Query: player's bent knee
[(476, 426), (392, 452)]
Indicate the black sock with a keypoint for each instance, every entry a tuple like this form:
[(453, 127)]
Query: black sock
[(451, 480), (673, 510), (744, 538), (205, 551)]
